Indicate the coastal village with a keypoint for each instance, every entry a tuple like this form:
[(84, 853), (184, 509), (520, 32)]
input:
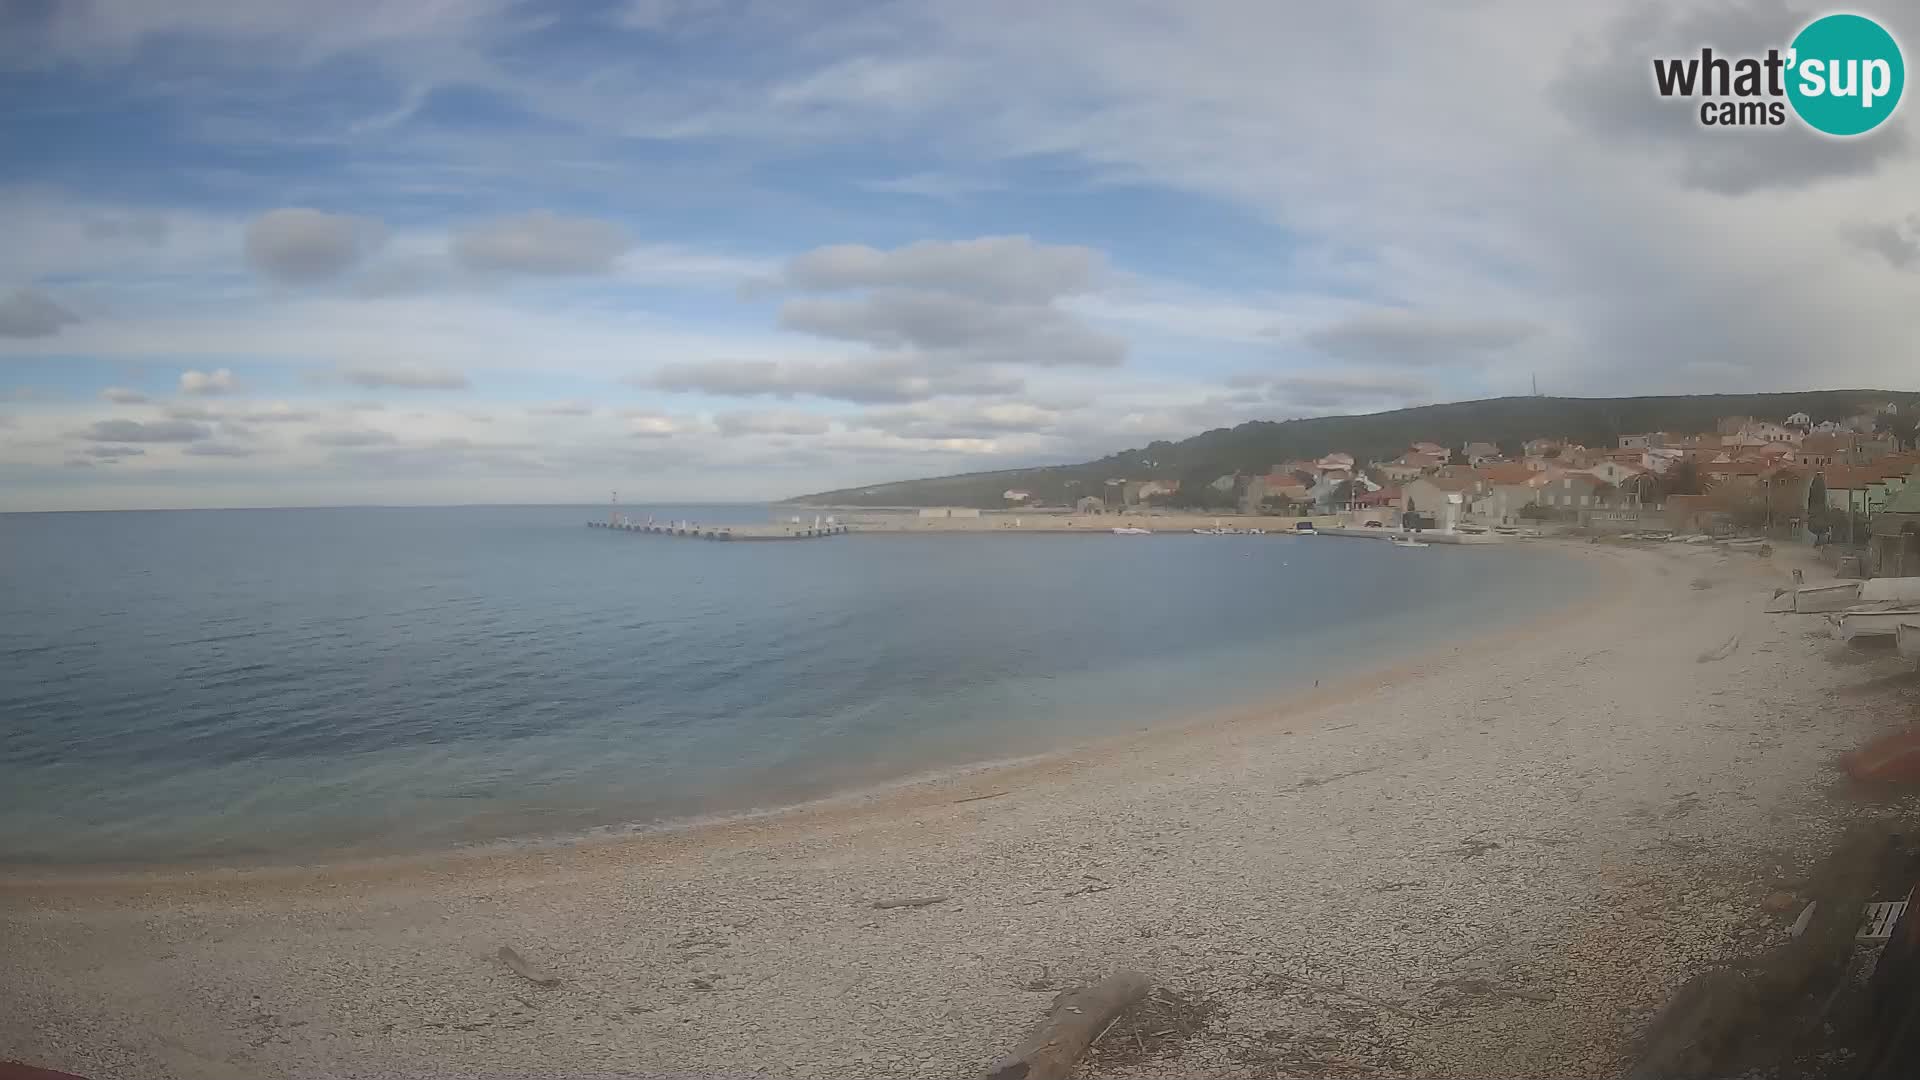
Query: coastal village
[(1846, 480)]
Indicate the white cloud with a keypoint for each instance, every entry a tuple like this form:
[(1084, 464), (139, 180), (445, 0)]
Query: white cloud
[(207, 383), (869, 380), (772, 423), (542, 242), (957, 328), (1394, 336), (351, 437), (146, 431), (120, 395), (405, 377), (654, 425), (1011, 269), (222, 450), (30, 313), (300, 246)]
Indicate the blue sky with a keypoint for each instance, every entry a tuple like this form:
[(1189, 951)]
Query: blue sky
[(286, 253)]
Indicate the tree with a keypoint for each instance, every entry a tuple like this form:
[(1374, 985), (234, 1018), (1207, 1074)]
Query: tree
[(1682, 479)]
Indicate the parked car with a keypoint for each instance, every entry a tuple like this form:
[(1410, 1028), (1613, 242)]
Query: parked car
[(1303, 526), (1373, 525)]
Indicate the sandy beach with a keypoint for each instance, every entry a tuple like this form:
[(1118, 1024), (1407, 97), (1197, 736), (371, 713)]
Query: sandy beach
[(1497, 858)]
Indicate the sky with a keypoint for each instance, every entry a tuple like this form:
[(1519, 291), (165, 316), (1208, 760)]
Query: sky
[(434, 251)]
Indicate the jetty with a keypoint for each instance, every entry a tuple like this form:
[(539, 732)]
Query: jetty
[(746, 533)]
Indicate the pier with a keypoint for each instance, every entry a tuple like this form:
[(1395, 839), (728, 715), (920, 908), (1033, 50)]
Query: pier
[(749, 533)]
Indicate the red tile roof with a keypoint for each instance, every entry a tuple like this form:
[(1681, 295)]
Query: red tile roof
[(1507, 474)]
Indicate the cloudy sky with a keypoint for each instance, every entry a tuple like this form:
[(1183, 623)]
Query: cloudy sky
[(285, 252)]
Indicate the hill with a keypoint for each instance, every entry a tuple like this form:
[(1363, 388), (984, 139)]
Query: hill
[(1260, 444)]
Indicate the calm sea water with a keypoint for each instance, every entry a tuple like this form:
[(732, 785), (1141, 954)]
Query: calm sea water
[(290, 683)]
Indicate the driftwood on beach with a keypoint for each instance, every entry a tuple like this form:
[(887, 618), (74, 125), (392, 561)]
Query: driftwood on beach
[(519, 966), (1078, 1017)]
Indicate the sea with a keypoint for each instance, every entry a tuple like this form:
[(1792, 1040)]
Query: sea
[(307, 684)]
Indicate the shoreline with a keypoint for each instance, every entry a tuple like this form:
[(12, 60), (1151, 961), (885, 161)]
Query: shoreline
[(882, 796), (1498, 859)]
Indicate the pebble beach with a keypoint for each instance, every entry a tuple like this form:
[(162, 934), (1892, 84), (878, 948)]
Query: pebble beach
[(1497, 857)]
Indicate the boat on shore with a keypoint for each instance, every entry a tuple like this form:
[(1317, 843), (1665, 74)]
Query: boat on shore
[(1132, 532), (1833, 596), (1883, 621), (1906, 638), (1410, 542)]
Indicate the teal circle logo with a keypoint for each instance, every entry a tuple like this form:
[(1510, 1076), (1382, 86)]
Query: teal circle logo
[(1846, 74)]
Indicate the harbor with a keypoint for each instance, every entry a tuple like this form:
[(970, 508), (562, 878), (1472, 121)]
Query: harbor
[(693, 530)]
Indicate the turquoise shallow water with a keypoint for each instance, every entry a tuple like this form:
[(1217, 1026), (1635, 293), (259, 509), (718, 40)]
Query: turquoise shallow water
[(295, 683)]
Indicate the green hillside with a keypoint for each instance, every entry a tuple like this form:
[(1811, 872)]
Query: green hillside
[(1260, 444)]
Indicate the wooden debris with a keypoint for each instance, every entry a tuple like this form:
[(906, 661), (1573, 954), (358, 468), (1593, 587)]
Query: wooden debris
[(911, 901), (1050, 1050), (519, 966)]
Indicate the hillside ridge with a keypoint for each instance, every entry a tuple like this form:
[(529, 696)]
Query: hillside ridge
[(1258, 445)]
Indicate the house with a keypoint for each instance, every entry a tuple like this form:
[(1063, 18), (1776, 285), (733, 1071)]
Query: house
[(1637, 442), (1742, 474), (1574, 491), (1508, 473), (1150, 488), (1539, 447), (1334, 461), (1478, 453), (1861, 490), (1433, 450), (1895, 540), (1842, 448), (1504, 503), (1380, 498), (1016, 495), (1800, 420), (1090, 504), (1578, 457), (1659, 459), (1640, 490), (1613, 472), (1434, 494), (1397, 470), (1410, 465), (1293, 492), (1770, 432), (1225, 483)]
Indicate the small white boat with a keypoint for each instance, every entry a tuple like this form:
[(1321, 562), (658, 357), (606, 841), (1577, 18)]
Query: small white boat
[(1906, 637), (1830, 596), (1410, 543), (1133, 532), (1904, 590), (1872, 622)]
